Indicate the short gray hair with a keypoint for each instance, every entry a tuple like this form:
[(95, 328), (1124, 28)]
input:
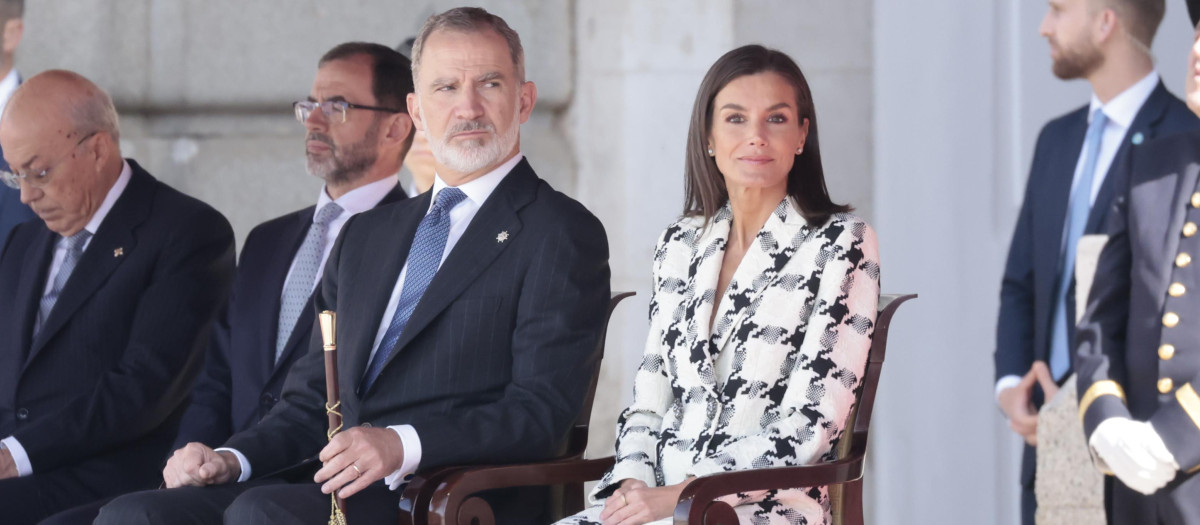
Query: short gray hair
[(470, 20), (95, 112)]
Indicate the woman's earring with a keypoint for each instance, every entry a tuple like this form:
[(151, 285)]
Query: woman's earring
[(799, 150), (710, 152)]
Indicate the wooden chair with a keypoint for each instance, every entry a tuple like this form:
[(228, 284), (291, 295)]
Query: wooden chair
[(414, 502), (452, 501)]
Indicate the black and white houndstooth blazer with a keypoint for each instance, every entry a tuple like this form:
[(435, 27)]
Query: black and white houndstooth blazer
[(774, 381)]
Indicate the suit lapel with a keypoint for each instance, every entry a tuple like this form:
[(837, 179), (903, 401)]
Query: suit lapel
[(693, 358), (475, 250), (275, 276), (370, 291), (112, 244), (1144, 124), (761, 267), (304, 323), (29, 292)]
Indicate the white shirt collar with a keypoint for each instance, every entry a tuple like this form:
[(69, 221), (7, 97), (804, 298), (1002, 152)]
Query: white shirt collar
[(109, 200), (359, 199), (1124, 107), (479, 189), (8, 86)]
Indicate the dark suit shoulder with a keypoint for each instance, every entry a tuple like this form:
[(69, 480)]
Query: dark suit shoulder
[(568, 213), (1164, 156), (172, 208), (279, 225), (1058, 126)]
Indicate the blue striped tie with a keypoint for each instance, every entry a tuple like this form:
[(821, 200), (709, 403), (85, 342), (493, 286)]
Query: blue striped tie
[(1077, 216), (74, 252), (299, 286), (424, 258)]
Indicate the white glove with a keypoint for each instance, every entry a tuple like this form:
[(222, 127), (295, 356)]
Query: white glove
[(1135, 454)]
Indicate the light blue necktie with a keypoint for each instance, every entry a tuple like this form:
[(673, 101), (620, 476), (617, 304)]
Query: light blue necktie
[(74, 252), (1077, 215), (299, 286), (424, 258)]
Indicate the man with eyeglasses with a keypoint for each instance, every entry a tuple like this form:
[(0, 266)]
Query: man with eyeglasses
[(12, 28), (358, 133), (468, 319), (107, 304)]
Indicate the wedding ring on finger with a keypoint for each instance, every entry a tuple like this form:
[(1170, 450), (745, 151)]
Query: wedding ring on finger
[(623, 500), (358, 473)]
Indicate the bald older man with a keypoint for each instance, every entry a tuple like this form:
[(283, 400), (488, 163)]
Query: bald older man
[(108, 300)]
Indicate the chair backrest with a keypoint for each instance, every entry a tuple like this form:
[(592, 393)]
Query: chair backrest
[(846, 499), (578, 438)]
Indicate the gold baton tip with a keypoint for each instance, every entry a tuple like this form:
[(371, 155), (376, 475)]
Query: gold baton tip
[(328, 319)]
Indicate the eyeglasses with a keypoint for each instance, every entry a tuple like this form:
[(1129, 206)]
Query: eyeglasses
[(334, 110), (13, 178)]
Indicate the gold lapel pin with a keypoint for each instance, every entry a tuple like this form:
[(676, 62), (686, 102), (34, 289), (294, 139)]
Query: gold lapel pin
[(503, 236), (118, 252)]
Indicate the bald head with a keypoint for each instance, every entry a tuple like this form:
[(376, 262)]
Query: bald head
[(66, 98), (59, 133)]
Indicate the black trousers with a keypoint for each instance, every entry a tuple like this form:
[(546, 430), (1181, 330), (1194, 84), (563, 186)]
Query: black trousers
[(31, 499), (253, 502)]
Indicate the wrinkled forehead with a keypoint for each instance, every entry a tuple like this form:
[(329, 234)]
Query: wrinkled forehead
[(29, 130), (348, 79), (450, 53)]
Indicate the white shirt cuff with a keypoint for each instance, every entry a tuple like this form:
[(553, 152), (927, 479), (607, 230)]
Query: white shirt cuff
[(412, 456), (20, 458), (1004, 383), (242, 461)]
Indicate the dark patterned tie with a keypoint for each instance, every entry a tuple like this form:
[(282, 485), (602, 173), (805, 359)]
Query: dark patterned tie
[(300, 286), (74, 251), (424, 258)]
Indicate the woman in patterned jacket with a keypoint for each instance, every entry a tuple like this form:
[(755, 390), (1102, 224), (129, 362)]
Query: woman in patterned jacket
[(762, 310)]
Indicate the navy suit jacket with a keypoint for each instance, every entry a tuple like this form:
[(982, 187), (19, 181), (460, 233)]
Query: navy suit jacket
[(101, 387), (12, 210), (495, 361), (1032, 270), (1120, 356), (241, 380)]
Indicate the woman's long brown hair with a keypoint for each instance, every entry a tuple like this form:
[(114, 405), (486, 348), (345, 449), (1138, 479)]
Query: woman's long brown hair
[(705, 190)]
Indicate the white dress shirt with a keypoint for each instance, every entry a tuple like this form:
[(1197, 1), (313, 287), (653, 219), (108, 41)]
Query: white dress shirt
[(477, 192), (8, 86), (1121, 111), (20, 458)]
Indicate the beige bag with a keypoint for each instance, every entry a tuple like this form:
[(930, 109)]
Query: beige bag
[(1069, 489)]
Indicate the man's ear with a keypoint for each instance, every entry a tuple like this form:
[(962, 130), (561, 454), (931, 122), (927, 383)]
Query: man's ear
[(414, 111), (400, 129), (14, 29), (527, 99)]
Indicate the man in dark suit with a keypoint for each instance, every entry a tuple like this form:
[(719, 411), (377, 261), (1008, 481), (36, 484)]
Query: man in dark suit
[(467, 317), (1138, 347), (108, 303), (1079, 164), (269, 319), (12, 28)]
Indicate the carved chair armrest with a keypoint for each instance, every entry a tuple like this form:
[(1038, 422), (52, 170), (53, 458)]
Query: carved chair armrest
[(445, 496), (697, 502)]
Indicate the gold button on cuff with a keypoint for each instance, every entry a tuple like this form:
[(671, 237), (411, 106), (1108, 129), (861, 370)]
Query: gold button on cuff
[(1196, 200), (1166, 352), (1189, 229), (1176, 290), (1170, 319), (1183, 260), (1165, 385)]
